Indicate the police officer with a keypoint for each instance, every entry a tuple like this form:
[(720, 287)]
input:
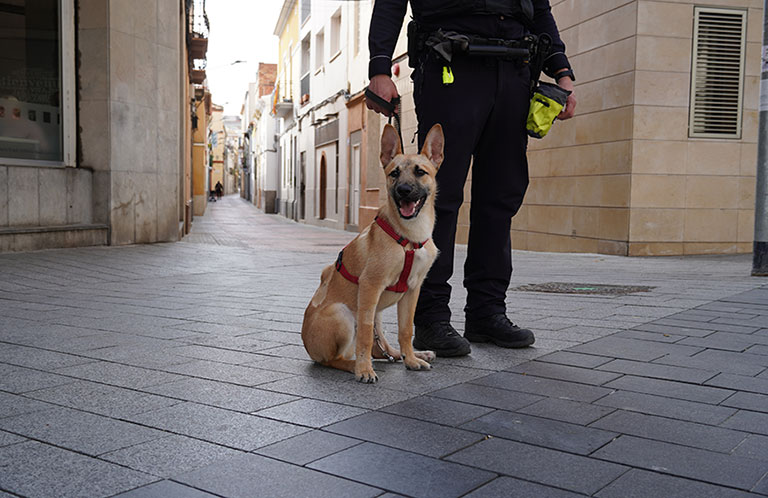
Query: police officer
[(482, 103)]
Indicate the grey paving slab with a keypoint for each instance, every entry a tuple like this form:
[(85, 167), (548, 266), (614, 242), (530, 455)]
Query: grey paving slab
[(308, 447), (740, 383), (37, 470), (38, 359), (214, 354), (633, 349), (79, 431), (101, 399), (650, 336), (760, 349), (671, 389), (220, 394), (657, 371), (165, 489), (567, 411), (761, 487), (490, 397), (12, 405), (719, 343), (707, 326), (242, 475), (336, 390), (311, 412), (712, 364), (508, 487), (169, 456), (223, 372), (541, 432), (754, 446), (403, 472), (669, 430), (437, 410), (675, 330), (7, 439), (574, 359), (749, 422), (565, 372), (118, 375), (19, 380), (667, 407), (748, 401), (702, 465), (555, 468), (228, 428), (420, 437), (740, 358), (641, 483), (544, 387)]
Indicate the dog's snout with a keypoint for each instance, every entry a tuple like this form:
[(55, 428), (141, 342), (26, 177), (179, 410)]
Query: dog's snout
[(404, 190)]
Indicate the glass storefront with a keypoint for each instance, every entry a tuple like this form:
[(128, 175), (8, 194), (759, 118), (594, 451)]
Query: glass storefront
[(30, 80)]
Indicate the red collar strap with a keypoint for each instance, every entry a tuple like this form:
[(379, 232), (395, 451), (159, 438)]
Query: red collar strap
[(402, 282), (399, 238)]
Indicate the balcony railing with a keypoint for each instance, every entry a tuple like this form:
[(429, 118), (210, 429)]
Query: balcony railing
[(199, 27)]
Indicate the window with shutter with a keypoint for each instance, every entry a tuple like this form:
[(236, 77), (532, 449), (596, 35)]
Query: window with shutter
[(717, 77)]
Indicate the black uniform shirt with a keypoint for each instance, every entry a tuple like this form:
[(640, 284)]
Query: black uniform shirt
[(388, 15)]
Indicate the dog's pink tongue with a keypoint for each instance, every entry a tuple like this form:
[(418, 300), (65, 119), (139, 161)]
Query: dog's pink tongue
[(407, 208)]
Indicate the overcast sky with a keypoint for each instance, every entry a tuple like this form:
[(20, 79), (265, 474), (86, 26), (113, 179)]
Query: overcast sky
[(240, 30)]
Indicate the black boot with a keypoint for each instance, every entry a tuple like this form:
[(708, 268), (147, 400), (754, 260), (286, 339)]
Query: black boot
[(441, 338), (499, 330)]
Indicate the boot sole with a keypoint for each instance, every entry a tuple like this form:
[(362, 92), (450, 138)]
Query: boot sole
[(443, 353), (511, 345)]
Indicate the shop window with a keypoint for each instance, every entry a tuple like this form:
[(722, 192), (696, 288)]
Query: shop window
[(37, 113)]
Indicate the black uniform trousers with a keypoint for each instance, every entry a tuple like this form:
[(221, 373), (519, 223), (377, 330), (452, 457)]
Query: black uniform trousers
[(483, 114)]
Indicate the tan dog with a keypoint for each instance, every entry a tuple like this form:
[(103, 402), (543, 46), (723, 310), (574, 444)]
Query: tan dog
[(384, 265)]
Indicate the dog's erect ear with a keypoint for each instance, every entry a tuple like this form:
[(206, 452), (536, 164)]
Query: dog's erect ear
[(390, 145), (433, 145)]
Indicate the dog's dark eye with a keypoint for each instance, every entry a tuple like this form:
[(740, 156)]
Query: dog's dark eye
[(419, 172), (395, 173)]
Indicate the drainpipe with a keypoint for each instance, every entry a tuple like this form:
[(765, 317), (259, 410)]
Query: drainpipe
[(760, 252)]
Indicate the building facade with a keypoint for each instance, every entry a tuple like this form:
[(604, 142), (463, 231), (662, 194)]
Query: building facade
[(94, 122)]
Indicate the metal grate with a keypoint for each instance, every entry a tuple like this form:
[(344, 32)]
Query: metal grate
[(719, 41), (578, 288)]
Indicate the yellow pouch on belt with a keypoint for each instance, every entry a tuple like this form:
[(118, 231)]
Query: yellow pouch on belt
[(547, 102)]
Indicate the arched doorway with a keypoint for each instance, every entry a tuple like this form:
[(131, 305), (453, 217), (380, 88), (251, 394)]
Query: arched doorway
[(323, 186)]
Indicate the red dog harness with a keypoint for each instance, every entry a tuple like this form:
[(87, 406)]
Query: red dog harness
[(402, 283)]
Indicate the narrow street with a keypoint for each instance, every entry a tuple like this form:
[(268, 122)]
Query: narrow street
[(178, 370)]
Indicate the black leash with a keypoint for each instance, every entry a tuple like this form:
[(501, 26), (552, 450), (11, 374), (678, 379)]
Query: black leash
[(392, 107)]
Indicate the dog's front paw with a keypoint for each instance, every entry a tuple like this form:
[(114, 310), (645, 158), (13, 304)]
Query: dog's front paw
[(428, 356), (366, 376), (415, 363)]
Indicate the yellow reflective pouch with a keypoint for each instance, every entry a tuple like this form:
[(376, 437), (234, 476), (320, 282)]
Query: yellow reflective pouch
[(547, 102), (447, 75)]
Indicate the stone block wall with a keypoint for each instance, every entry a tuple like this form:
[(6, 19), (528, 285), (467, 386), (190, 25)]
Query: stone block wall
[(623, 177), (130, 115)]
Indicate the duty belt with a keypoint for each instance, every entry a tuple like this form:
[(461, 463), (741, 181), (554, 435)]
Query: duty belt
[(449, 43)]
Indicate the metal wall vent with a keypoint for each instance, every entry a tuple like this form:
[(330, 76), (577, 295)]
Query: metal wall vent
[(717, 78)]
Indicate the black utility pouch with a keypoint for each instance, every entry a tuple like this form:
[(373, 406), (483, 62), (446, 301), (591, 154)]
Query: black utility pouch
[(414, 52)]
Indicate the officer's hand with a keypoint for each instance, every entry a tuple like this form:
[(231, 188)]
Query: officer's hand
[(570, 104), (383, 86)]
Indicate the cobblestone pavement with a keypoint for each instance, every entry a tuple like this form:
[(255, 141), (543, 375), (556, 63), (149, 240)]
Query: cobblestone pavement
[(177, 370)]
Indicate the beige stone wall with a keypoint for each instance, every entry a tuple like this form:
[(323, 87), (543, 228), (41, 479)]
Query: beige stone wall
[(130, 115), (623, 177), (578, 198), (688, 196)]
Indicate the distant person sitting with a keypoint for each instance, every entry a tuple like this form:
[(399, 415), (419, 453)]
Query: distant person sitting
[(212, 196), (219, 189)]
